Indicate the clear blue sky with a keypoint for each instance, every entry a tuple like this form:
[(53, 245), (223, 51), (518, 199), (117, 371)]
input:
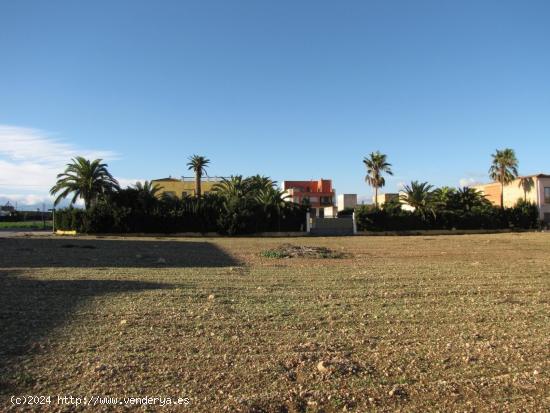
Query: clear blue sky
[(289, 89)]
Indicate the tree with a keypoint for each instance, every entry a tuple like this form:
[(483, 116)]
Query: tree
[(85, 179), (444, 196), (146, 194), (232, 187), (147, 188), (272, 201), (467, 198), (376, 165), (237, 215), (258, 183), (198, 164), (504, 169), (419, 196)]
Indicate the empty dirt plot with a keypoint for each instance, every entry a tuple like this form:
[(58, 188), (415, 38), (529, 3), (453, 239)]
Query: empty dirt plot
[(448, 323)]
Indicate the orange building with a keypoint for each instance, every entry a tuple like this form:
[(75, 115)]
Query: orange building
[(320, 194), (532, 188)]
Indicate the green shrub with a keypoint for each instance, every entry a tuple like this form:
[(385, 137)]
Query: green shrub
[(484, 216), (523, 215)]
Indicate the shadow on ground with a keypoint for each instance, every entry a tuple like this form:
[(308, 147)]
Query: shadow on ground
[(31, 308), (48, 252)]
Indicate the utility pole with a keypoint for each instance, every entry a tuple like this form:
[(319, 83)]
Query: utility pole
[(53, 218)]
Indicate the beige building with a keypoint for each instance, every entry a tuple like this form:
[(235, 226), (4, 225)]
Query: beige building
[(383, 198), (185, 186), (533, 188)]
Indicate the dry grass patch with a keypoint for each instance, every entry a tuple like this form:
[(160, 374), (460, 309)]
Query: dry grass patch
[(301, 251)]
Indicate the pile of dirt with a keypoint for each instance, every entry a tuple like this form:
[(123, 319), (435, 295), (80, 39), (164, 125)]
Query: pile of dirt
[(301, 251)]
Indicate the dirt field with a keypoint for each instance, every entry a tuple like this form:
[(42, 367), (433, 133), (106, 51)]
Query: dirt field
[(456, 323)]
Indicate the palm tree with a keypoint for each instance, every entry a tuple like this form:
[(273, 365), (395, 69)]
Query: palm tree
[(419, 195), (84, 179), (147, 193), (376, 165), (198, 164), (147, 188), (504, 169), (234, 187), (272, 199), (467, 198), (443, 196), (257, 183)]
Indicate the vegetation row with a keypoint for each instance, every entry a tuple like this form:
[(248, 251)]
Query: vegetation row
[(240, 205)]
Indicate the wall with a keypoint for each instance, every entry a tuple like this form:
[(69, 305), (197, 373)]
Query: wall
[(515, 191), (491, 192), (178, 187)]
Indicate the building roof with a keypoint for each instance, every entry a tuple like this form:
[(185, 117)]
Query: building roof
[(170, 179), (317, 185), (515, 179)]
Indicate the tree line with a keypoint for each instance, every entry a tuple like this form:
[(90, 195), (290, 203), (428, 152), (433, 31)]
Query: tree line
[(236, 205), (504, 169), (240, 204), (445, 207)]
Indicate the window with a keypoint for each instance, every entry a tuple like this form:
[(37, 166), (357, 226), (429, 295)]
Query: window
[(170, 194), (547, 195)]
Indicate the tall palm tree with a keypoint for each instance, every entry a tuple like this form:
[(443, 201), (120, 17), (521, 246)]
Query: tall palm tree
[(419, 195), (376, 165), (84, 179), (198, 164), (504, 169)]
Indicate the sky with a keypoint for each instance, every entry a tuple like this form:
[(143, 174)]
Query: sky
[(288, 89)]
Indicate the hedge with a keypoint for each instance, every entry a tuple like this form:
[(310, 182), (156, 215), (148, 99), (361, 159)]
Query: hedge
[(173, 216), (523, 216)]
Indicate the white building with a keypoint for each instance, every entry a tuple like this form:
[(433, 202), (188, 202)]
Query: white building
[(345, 201)]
